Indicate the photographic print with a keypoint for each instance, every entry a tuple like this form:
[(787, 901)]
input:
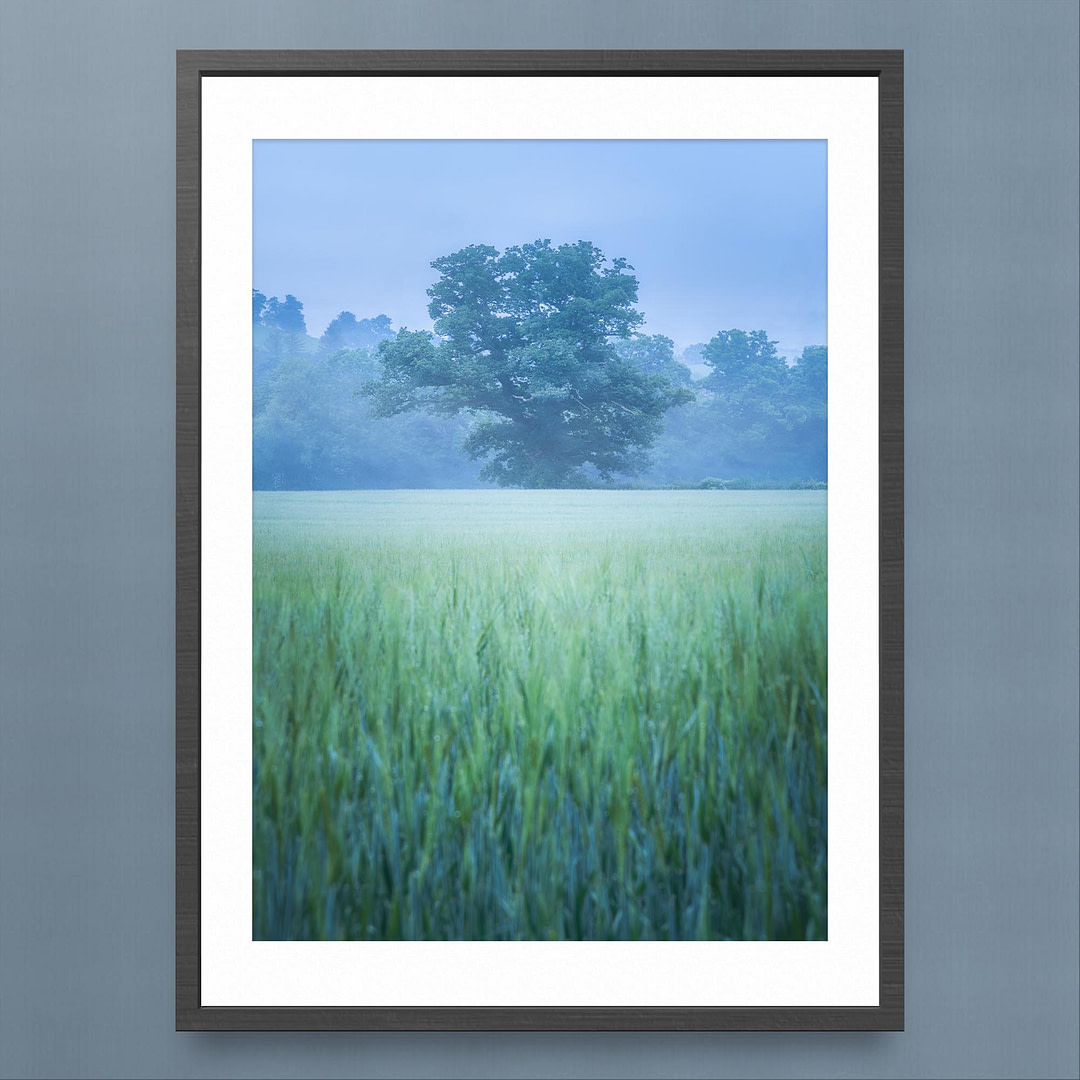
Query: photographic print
[(539, 540), (539, 447)]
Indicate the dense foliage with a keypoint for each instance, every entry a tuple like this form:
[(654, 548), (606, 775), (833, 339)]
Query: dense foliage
[(567, 391), (523, 345), (311, 428)]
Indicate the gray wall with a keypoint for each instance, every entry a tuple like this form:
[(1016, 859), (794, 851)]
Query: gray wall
[(86, 549)]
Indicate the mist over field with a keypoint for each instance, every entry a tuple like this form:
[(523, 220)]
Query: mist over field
[(539, 451), (721, 291), (313, 429)]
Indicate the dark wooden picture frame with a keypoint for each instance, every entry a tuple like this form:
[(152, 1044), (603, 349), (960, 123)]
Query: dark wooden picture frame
[(887, 67)]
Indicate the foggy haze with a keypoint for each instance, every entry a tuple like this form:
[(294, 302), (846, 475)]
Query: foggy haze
[(721, 234)]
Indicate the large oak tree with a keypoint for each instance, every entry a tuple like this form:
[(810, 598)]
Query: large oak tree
[(525, 342)]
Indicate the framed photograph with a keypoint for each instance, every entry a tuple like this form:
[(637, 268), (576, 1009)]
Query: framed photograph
[(539, 540)]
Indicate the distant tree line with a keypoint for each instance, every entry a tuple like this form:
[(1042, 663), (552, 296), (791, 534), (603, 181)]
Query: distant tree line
[(312, 429), (536, 375), (753, 416)]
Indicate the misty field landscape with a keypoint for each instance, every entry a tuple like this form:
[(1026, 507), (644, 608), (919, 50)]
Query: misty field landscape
[(539, 540), (519, 715)]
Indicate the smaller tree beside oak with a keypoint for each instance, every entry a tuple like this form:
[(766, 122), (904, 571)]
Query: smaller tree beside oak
[(524, 342), (771, 419)]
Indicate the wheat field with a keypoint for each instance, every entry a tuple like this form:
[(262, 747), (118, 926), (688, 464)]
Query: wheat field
[(516, 715)]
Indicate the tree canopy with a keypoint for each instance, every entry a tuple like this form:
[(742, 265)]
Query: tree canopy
[(655, 354), (311, 430), (348, 332), (524, 342), (754, 418), (768, 415), (287, 314)]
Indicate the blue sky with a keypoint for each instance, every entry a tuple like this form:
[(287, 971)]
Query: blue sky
[(721, 234)]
